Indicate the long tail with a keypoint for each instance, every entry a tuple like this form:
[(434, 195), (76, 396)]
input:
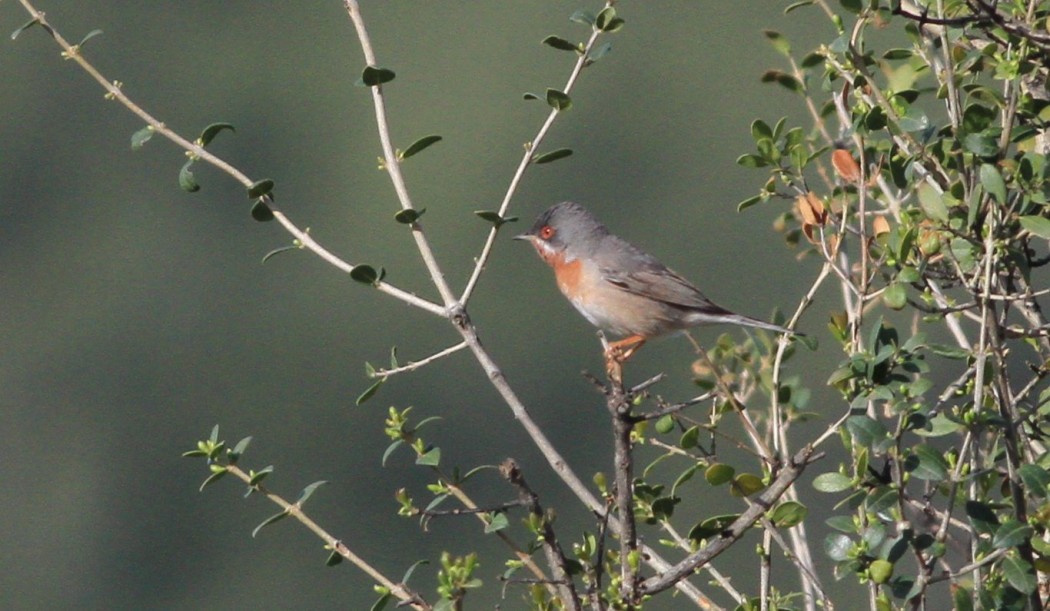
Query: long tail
[(747, 321)]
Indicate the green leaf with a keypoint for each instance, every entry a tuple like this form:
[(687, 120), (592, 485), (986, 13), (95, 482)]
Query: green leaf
[(308, 492), (932, 203), (239, 449), (719, 473), (213, 130), (880, 571), (1036, 225), (419, 145), (390, 450), (214, 477), (981, 144), (334, 558), (528, 95), (551, 156), (273, 253), (788, 514), (712, 527), (1036, 479), (494, 217), (796, 5), (982, 517), (258, 476), (25, 26), (949, 352), (760, 130), (751, 161), (186, 180), (1011, 534), (88, 36), (497, 523), (751, 201), (262, 213), (837, 546), (370, 391), (412, 569), (558, 100), (141, 137), (408, 216), (783, 79), (865, 430), (689, 438), (366, 274), (894, 54), (583, 17), (426, 421), (927, 463), (665, 424), (260, 188), (615, 25), (560, 44), (993, 183), (277, 517), (832, 482), (599, 52), (372, 76), (895, 296), (746, 484), (431, 458), (684, 477), (780, 44), (1019, 573)]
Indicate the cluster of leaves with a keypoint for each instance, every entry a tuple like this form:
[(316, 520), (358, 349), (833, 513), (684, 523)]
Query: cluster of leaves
[(923, 184)]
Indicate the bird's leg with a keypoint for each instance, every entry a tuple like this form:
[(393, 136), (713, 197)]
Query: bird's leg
[(617, 352), (621, 350)]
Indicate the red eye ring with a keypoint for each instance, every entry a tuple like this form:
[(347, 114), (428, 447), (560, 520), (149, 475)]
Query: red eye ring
[(546, 232)]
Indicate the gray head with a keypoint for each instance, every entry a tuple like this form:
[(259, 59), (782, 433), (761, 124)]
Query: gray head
[(567, 228)]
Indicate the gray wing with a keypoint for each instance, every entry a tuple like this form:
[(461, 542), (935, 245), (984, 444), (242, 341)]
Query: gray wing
[(655, 280)]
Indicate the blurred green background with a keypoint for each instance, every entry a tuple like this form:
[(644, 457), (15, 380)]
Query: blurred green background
[(136, 316)]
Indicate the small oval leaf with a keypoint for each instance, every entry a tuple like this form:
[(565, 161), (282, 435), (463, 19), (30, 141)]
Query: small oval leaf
[(262, 213), (409, 215), (213, 130), (365, 274), (372, 76), (419, 145), (788, 514), (551, 156), (141, 137), (832, 482), (719, 473), (558, 99), (1036, 225), (560, 44), (369, 392), (186, 179), (260, 188)]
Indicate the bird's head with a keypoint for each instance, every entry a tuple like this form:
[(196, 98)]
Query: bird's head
[(565, 231)]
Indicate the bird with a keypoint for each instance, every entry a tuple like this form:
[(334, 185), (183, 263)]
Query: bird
[(620, 288)]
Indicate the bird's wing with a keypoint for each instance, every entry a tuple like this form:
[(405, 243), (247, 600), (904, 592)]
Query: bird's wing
[(655, 280)]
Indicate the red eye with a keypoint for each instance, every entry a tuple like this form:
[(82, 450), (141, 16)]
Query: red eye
[(547, 232)]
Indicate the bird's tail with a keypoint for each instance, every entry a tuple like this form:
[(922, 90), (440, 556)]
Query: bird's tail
[(747, 321)]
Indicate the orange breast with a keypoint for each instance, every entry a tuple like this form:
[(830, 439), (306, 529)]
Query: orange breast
[(568, 274)]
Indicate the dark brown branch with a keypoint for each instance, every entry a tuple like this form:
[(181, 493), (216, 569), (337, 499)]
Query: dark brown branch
[(787, 475), (510, 471)]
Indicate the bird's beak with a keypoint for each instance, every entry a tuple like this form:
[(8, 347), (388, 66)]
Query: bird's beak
[(523, 236)]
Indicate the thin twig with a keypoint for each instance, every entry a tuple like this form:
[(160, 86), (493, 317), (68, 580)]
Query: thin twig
[(114, 91), (413, 365), (519, 173), (294, 510)]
